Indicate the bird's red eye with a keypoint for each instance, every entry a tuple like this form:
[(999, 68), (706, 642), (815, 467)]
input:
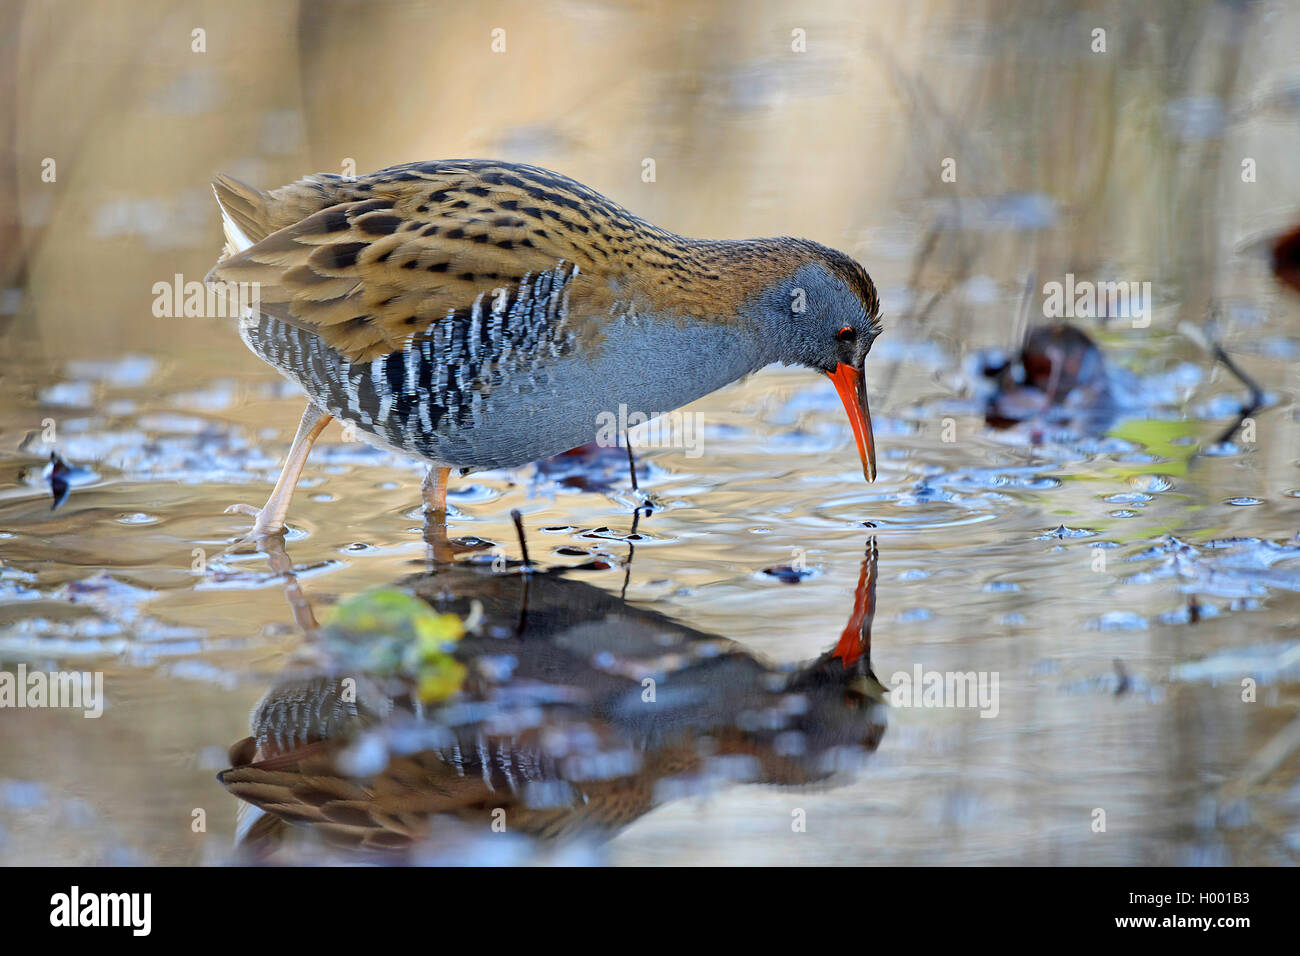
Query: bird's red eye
[(846, 334)]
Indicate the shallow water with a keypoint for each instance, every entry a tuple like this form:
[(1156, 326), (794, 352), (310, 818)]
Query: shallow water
[(1110, 695), (1121, 587)]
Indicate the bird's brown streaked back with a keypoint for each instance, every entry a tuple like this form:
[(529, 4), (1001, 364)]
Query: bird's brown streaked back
[(368, 262)]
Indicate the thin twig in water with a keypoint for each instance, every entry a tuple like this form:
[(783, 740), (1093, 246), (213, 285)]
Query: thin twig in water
[(631, 553), (631, 461), (1022, 318), (527, 576), (518, 519), (1202, 338), (1256, 393)]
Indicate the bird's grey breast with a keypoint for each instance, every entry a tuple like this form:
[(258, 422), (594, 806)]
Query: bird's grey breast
[(639, 366)]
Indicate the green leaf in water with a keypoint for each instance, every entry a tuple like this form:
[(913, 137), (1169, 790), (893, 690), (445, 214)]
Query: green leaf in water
[(1158, 438), (388, 631)]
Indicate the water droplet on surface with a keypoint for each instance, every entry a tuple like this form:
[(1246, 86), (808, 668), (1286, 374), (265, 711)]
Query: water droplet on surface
[(1062, 532), (1127, 498), (1150, 484), (138, 517), (1119, 621)]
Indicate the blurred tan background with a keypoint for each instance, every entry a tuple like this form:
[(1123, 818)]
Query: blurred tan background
[(1114, 161)]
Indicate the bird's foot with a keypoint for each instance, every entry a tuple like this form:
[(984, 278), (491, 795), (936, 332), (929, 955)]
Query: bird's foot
[(265, 526)]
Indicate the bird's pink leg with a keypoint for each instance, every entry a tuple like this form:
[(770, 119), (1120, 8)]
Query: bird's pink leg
[(270, 519)]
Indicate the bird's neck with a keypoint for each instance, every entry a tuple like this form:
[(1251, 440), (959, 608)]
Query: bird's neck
[(665, 364), (732, 283)]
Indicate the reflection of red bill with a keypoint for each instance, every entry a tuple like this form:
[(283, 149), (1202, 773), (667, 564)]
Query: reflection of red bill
[(855, 641), (853, 393)]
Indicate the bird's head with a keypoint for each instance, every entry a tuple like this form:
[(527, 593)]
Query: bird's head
[(826, 315)]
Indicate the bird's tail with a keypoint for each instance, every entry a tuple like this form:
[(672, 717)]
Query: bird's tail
[(243, 213)]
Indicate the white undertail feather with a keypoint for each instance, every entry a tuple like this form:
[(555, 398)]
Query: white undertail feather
[(236, 241)]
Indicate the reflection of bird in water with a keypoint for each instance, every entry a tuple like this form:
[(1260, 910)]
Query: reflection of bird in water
[(578, 714)]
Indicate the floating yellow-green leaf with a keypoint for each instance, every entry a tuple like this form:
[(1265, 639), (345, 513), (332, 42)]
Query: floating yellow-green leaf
[(393, 612), (1157, 437), (440, 677), (389, 631)]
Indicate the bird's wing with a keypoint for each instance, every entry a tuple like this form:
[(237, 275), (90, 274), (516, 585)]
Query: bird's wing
[(387, 813), (366, 263), (393, 810)]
